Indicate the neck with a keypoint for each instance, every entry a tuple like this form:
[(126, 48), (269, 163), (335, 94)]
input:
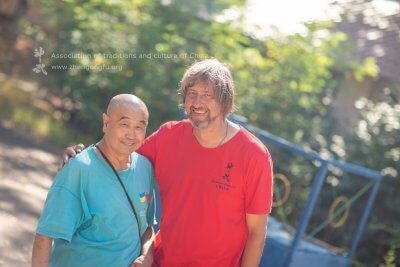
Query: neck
[(212, 136), (119, 162)]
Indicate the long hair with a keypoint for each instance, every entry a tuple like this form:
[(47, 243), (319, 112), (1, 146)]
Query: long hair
[(215, 76)]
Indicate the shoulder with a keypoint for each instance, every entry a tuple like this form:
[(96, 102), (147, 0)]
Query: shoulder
[(175, 125), (142, 161), (76, 173), (75, 166), (142, 168), (255, 155), (82, 160), (251, 144), (172, 129), (253, 151)]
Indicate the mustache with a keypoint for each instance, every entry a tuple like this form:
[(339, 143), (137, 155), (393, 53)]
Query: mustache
[(193, 109)]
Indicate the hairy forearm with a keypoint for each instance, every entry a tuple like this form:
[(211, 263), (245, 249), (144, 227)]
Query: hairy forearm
[(41, 251)]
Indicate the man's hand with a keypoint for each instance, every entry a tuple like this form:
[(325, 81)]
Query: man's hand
[(143, 261), (147, 256), (70, 152)]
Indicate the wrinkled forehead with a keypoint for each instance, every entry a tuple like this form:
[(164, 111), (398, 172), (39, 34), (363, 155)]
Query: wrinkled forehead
[(127, 110)]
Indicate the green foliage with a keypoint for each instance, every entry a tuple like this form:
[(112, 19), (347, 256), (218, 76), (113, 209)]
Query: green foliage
[(21, 110), (377, 144), (291, 73), (149, 42), (390, 258)]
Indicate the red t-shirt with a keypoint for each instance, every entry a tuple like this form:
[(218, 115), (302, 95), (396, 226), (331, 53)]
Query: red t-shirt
[(206, 193)]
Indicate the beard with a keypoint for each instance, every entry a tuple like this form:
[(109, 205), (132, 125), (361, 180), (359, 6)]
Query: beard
[(203, 123)]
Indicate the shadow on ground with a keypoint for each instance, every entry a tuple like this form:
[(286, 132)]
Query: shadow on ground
[(27, 168)]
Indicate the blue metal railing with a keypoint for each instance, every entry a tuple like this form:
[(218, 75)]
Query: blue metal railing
[(317, 184)]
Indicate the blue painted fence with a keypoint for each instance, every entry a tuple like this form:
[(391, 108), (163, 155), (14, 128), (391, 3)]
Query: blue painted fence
[(285, 250)]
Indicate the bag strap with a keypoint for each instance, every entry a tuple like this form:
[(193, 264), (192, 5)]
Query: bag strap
[(123, 187)]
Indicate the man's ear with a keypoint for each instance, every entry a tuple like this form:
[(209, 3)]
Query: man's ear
[(106, 120)]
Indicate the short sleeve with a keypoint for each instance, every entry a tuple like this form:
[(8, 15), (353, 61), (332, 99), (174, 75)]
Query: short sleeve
[(62, 213), (259, 185)]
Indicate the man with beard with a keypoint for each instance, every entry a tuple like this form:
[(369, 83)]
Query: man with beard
[(215, 178)]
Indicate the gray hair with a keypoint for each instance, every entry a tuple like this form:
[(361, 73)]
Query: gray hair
[(212, 74)]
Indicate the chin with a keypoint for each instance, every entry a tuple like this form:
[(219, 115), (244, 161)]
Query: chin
[(128, 150), (200, 124)]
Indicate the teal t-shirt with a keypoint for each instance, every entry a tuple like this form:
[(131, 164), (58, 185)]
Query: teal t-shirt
[(88, 214)]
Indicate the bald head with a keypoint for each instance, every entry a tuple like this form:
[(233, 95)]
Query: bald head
[(126, 101), (125, 124)]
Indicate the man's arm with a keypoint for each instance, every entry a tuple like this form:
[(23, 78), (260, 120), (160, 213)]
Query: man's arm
[(147, 254), (41, 251), (257, 228)]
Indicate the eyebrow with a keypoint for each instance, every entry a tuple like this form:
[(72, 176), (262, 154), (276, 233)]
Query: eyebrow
[(207, 90), (123, 118), (127, 118), (143, 122)]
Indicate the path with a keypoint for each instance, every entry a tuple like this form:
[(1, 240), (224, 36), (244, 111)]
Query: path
[(26, 172)]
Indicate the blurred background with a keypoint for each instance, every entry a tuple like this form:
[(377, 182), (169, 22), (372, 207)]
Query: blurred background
[(324, 75)]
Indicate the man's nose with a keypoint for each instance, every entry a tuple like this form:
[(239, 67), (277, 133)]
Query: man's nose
[(198, 101), (131, 133)]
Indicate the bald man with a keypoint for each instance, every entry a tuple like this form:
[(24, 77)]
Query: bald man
[(100, 209)]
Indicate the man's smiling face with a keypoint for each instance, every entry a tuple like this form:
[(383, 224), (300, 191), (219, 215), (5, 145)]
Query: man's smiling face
[(201, 106), (125, 128)]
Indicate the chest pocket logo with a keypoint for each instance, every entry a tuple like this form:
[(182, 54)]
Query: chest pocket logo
[(144, 197), (224, 182)]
